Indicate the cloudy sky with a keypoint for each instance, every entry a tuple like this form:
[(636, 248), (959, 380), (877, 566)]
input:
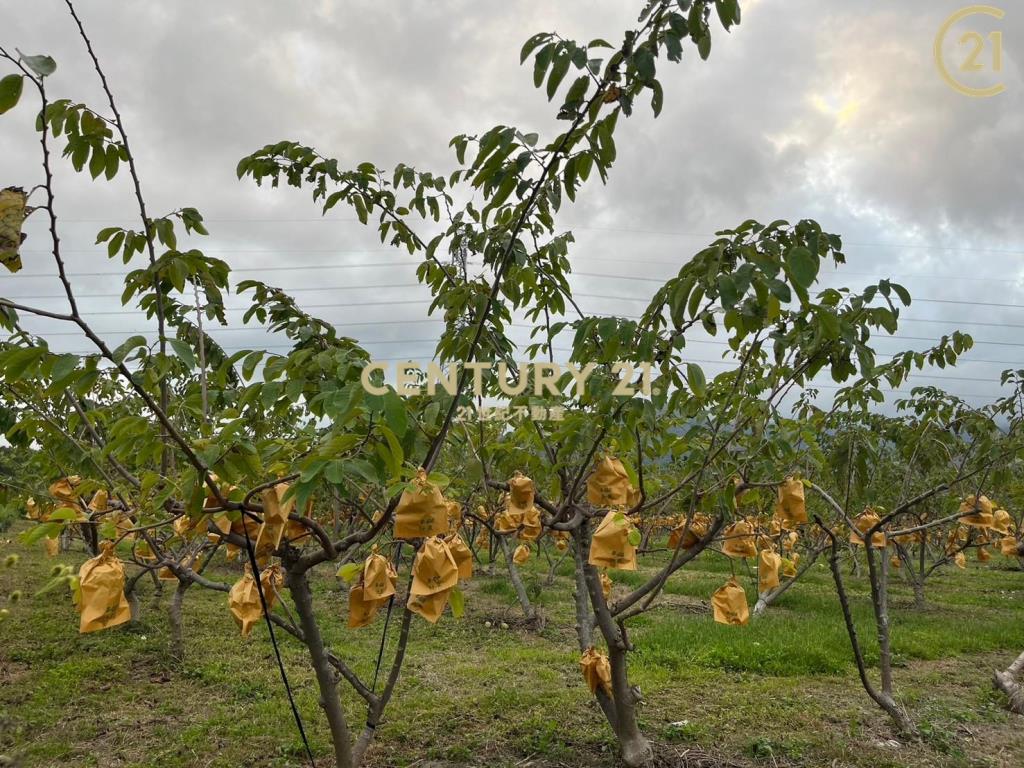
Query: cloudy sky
[(830, 110)]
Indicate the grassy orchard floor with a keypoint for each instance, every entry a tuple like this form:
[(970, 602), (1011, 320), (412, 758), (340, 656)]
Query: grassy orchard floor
[(780, 692)]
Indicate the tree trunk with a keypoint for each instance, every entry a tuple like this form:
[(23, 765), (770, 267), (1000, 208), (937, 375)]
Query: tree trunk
[(298, 585), (634, 748), (1009, 683), (517, 581)]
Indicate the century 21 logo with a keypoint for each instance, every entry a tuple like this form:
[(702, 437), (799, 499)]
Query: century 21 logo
[(975, 52)]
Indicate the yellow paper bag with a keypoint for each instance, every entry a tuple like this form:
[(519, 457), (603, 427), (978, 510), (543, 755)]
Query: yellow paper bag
[(530, 525), (730, 604), (99, 501), (606, 585), (608, 485), (360, 609), (960, 560), (461, 554), (983, 555), (52, 546), (521, 555), (1001, 522), (64, 490), (379, 578), (521, 491), (244, 597), (430, 607), (434, 569), (768, 570), (597, 671), (790, 509), (454, 516), (101, 581), (685, 539), (864, 522), (13, 211), (977, 513), (610, 546), (275, 518), (1008, 546), (738, 540), (422, 512)]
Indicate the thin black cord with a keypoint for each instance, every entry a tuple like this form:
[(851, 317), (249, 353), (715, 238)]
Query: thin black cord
[(273, 639), (387, 621)]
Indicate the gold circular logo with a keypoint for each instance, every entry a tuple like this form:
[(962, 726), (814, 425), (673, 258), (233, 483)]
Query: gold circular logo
[(974, 61)]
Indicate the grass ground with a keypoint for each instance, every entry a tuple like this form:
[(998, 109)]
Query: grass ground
[(780, 692)]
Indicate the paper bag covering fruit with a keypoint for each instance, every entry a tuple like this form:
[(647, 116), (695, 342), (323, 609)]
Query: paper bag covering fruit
[(864, 522), (768, 564), (1009, 546), (376, 586), (977, 513), (610, 546), (422, 512), (275, 519), (461, 555), (520, 515), (596, 671), (101, 581), (244, 597), (521, 555), (790, 509), (64, 490), (738, 540), (454, 516), (608, 485), (1001, 522), (606, 586), (434, 575), (13, 210), (729, 603), (684, 537)]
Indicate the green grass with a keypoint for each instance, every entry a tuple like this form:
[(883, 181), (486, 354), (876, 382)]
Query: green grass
[(782, 691)]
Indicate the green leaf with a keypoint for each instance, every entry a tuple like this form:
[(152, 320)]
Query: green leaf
[(349, 572), (698, 384), (98, 161), (558, 72), (41, 65), (10, 91), (458, 602), (394, 414), (122, 351), (704, 47), (643, 60), (111, 161), (184, 352), (802, 264), (902, 292), (634, 537), (63, 366)]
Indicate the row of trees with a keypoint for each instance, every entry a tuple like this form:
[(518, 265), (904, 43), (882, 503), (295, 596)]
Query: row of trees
[(161, 454)]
